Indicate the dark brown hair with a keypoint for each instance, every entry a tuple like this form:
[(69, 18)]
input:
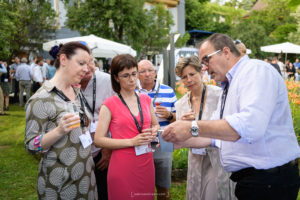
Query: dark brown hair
[(219, 41), (69, 49), (119, 63)]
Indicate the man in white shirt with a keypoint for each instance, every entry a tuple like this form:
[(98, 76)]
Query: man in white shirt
[(37, 75), (253, 123)]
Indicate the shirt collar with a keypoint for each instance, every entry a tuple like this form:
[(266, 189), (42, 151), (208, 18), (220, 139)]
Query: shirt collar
[(154, 89), (230, 74), (48, 86)]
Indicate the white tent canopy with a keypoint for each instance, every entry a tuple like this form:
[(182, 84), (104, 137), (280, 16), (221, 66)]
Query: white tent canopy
[(285, 47), (100, 47)]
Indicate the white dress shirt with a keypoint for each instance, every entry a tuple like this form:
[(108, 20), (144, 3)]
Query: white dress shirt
[(257, 107)]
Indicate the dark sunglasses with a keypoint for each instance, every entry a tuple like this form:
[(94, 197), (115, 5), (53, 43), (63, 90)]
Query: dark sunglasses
[(205, 59)]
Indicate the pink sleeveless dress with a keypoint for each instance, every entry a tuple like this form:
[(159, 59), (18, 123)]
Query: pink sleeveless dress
[(129, 176)]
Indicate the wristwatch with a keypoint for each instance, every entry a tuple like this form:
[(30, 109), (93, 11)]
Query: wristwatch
[(194, 129), (170, 116)]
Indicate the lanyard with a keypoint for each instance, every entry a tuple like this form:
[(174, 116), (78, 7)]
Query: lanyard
[(202, 102), (65, 98), (155, 96), (224, 96), (140, 111), (92, 110)]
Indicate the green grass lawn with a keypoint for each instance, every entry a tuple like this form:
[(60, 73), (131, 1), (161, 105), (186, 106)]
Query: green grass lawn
[(18, 169)]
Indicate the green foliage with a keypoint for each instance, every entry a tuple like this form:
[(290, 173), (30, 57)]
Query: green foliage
[(182, 40), (271, 25), (281, 33), (25, 26), (18, 168), (180, 158), (242, 4), (123, 21), (210, 16)]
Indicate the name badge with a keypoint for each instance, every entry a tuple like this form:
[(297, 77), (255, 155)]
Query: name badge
[(6, 80), (86, 139), (199, 151), (93, 126), (139, 150)]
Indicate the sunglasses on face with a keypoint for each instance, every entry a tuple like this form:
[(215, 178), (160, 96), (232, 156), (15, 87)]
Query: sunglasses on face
[(205, 59)]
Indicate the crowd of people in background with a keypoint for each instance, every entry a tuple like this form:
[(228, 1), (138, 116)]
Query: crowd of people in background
[(23, 77)]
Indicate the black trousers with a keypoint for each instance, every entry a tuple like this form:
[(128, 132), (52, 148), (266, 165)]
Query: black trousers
[(279, 183), (101, 179), (16, 91)]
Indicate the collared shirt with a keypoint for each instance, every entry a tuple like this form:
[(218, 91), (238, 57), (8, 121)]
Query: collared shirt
[(14, 66), (50, 71), (167, 97), (23, 72), (103, 91), (3, 69), (257, 108), (37, 73)]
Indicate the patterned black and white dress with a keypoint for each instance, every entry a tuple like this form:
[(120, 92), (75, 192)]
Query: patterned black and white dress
[(66, 169)]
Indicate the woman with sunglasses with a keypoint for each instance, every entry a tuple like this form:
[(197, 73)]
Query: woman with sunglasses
[(66, 166), (132, 122), (206, 178)]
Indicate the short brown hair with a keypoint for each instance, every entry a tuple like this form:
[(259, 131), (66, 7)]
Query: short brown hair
[(219, 41), (192, 61), (119, 63), (69, 49)]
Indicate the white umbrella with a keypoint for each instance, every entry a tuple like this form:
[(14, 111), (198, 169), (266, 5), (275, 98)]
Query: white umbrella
[(100, 47), (285, 47)]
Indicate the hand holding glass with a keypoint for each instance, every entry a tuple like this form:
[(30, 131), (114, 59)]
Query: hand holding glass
[(72, 108)]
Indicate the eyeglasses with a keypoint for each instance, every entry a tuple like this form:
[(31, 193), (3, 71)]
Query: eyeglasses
[(205, 59), (128, 76), (147, 70)]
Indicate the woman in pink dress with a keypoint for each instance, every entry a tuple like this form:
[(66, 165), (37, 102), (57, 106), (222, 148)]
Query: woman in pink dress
[(129, 117)]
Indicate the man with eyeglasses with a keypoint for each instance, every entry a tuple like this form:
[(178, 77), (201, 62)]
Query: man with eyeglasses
[(163, 99), (252, 125), (96, 87)]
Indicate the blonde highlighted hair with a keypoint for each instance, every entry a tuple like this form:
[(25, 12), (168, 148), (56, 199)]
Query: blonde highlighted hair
[(192, 61)]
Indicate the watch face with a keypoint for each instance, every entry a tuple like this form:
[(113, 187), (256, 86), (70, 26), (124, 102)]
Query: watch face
[(194, 131)]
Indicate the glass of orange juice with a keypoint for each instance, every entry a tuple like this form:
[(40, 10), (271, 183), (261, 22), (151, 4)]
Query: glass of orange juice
[(72, 108)]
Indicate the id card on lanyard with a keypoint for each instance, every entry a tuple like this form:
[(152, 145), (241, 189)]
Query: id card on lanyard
[(85, 138), (91, 109), (142, 149)]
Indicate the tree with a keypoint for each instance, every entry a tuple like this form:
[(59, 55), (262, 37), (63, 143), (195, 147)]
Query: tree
[(123, 21), (210, 16), (25, 26), (271, 25)]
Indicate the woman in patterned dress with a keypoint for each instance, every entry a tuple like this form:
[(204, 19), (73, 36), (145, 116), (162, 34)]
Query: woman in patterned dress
[(129, 118), (66, 167), (206, 179)]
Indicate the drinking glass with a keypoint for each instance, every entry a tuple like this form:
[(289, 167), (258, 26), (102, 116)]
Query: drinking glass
[(72, 108)]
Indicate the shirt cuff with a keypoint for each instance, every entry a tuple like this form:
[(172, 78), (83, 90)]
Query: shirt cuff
[(213, 142), (236, 124)]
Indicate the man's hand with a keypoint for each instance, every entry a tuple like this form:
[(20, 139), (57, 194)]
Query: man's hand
[(162, 112), (178, 131), (104, 161)]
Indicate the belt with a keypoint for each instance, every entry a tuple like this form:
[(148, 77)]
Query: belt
[(251, 170)]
